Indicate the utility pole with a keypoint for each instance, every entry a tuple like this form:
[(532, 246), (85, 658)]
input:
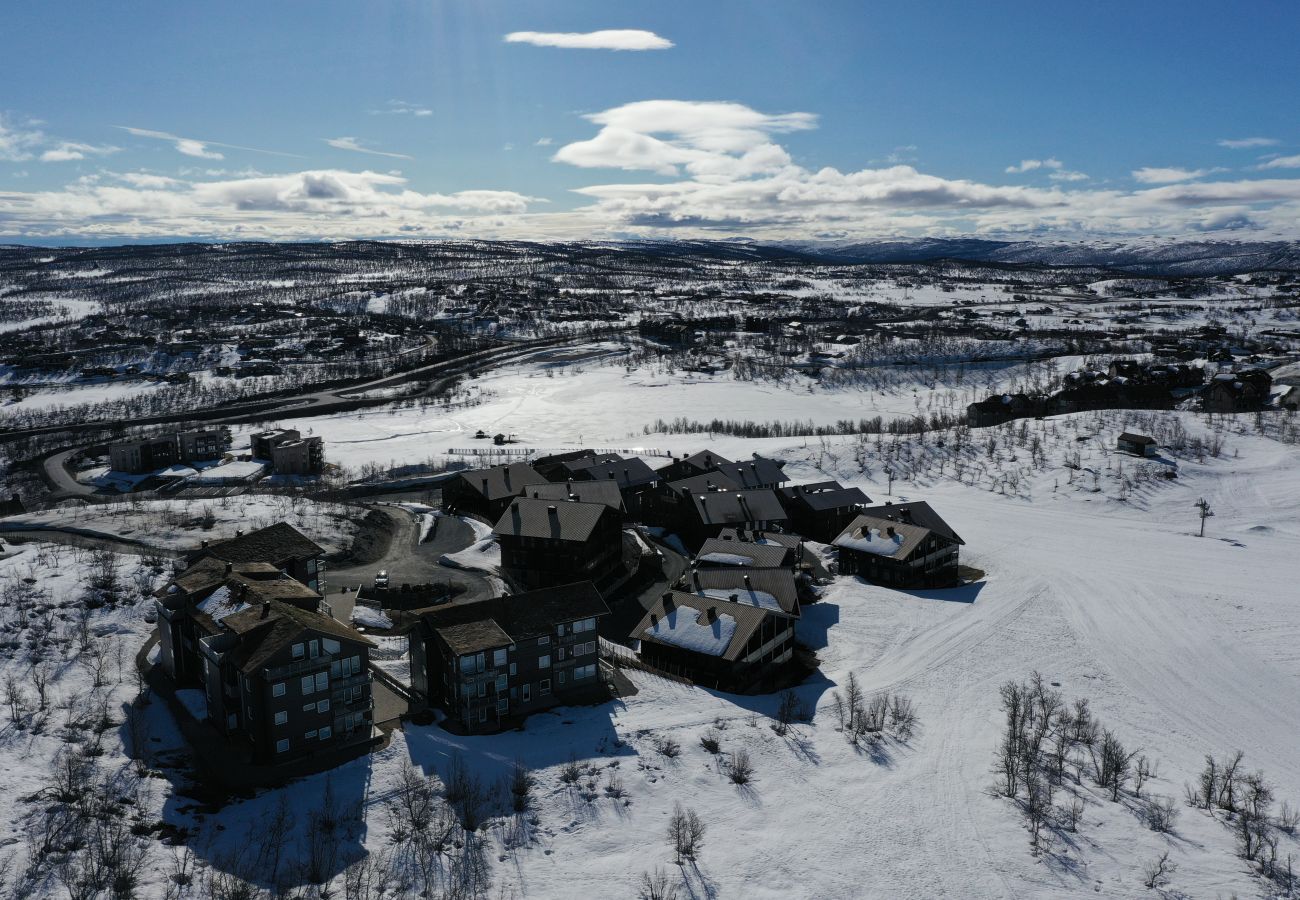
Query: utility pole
[(890, 473), (1203, 506)]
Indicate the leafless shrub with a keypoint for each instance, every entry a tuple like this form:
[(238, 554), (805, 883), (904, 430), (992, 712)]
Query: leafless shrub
[(1157, 872), (1161, 813), (669, 748), (685, 833), (656, 885), (739, 768), (711, 741)]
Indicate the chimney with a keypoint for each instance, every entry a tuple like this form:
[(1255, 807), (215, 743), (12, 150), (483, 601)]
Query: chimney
[(712, 614), (746, 581), (654, 620), (243, 591), (552, 511), (695, 573), (266, 609), (203, 544), (239, 532), (230, 567), (536, 495), (734, 598), (668, 601)]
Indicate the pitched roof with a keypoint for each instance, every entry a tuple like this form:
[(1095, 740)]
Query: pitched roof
[(733, 507), (757, 472), (789, 541), (705, 460), (623, 472), (500, 482), (772, 589), (274, 544), (825, 495), (871, 534), (1129, 437), (720, 552), (915, 512), (577, 491), (561, 520), (483, 624), (702, 483), (685, 624), (263, 634)]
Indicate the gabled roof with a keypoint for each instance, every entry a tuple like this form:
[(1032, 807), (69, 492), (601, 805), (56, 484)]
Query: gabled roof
[(757, 472), (500, 482), (702, 483), (872, 534), (683, 621), (499, 621), (577, 491), (275, 544), (825, 495), (1131, 438), (915, 512), (772, 589), (719, 552), (735, 507), (789, 541), (265, 632), (705, 460), (561, 520), (625, 473)]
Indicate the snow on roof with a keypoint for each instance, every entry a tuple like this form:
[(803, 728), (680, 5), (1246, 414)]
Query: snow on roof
[(761, 599), (872, 540), (220, 604), (727, 559), (682, 627)]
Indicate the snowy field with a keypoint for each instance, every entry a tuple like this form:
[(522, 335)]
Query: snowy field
[(182, 524), (548, 404), (1094, 577)]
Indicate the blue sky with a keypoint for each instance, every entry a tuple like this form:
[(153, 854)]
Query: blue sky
[(769, 119)]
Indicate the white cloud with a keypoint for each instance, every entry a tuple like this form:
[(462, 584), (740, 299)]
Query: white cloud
[(353, 144), (543, 142), (18, 142), (1281, 162), (1246, 143), (1029, 165), (1067, 175), (708, 139), (1169, 175), (66, 151), (614, 39), (402, 108), (197, 148)]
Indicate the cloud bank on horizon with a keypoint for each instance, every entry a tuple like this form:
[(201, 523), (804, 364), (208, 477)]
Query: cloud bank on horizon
[(634, 167)]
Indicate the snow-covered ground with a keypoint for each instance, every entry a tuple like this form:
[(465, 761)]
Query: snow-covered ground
[(1183, 645), (179, 524)]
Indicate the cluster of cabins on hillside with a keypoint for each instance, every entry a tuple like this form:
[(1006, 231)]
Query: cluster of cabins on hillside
[(246, 622), (1130, 384), (729, 621), (282, 451)]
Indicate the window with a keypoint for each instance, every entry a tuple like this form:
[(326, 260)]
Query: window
[(544, 686), (329, 646), (356, 693), (311, 707), (543, 640), (356, 664), (311, 735), (559, 629), (559, 678), (502, 684), (470, 665), (323, 706), (282, 745), (544, 661), (482, 714), (308, 684), (281, 717), (512, 669), (482, 688), (526, 692), (277, 689), (503, 705), (326, 733), (313, 649), (499, 657), (559, 654), (297, 651), (581, 672), (322, 681)]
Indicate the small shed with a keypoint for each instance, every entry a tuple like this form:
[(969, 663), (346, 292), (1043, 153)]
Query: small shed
[(1137, 444)]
